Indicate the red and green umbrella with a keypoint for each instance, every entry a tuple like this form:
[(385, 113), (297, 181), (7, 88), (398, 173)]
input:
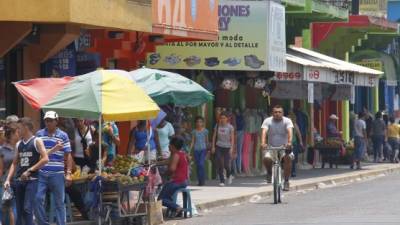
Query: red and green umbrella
[(102, 93)]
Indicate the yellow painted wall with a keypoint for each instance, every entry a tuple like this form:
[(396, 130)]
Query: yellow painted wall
[(120, 14)]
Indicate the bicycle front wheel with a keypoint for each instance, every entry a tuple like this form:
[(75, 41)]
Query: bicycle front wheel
[(277, 185)]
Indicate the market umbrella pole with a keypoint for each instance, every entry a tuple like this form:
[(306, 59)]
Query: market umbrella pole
[(148, 125), (100, 165)]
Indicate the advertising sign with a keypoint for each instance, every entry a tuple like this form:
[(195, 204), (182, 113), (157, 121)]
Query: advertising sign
[(63, 63), (249, 40), (339, 77), (186, 18), (377, 8), (372, 64)]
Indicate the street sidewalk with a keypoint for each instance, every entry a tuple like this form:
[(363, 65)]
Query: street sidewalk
[(244, 188)]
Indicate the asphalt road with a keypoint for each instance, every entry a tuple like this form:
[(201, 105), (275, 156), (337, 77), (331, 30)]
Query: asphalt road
[(366, 202)]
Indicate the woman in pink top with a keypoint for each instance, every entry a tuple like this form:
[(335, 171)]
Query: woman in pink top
[(178, 168)]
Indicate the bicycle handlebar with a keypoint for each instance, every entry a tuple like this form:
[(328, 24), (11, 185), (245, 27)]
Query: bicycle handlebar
[(280, 148)]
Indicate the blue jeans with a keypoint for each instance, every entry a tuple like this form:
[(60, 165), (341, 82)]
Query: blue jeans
[(167, 192), (359, 143), (200, 160), (378, 141), (25, 200), (55, 182)]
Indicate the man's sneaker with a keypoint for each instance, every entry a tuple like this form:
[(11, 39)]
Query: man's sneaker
[(286, 186), (221, 184), (269, 179), (230, 179)]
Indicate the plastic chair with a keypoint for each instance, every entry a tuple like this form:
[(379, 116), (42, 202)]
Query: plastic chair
[(52, 215), (186, 199)]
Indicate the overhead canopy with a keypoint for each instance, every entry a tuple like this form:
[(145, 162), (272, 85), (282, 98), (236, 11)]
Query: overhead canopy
[(304, 64)]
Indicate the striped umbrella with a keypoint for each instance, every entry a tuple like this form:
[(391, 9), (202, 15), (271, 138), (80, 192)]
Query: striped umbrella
[(102, 93)]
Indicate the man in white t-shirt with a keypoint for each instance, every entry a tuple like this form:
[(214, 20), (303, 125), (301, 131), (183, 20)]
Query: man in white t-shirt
[(277, 131), (360, 139)]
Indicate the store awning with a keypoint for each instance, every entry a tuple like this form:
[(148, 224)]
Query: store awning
[(304, 64)]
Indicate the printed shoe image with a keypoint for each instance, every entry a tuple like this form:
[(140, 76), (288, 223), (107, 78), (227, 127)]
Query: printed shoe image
[(232, 61), (211, 61), (154, 58), (253, 62), (192, 60), (172, 59)]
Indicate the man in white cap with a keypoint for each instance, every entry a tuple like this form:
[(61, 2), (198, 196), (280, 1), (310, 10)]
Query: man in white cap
[(52, 176), (331, 128)]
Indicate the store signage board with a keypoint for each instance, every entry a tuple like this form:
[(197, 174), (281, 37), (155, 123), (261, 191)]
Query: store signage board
[(339, 77), (377, 8), (245, 33), (186, 18)]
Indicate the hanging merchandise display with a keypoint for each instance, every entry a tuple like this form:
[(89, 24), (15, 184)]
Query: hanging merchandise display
[(259, 83), (230, 84)]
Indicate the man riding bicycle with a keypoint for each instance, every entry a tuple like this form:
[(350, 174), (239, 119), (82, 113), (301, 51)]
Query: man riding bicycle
[(277, 131)]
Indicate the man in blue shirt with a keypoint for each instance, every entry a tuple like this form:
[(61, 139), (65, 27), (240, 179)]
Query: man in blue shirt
[(52, 176)]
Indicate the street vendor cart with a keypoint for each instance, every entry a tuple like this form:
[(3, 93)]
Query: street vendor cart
[(333, 151)]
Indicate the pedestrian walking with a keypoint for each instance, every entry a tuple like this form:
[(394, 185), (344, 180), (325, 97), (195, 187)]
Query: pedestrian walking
[(360, 140), (297, 144), (52, 176), (29, 158), (393, 134), (82, 140), (138, 142), (199, 145), (7, 153), (223, 146), (378, 134), (165, 131)]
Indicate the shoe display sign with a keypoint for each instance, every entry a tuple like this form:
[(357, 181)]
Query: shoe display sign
[(251, 38)]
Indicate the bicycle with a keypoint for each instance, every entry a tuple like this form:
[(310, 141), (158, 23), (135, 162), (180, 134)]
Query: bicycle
[(277, 153)]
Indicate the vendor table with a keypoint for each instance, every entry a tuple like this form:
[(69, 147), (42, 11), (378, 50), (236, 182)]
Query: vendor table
[(332, 156)]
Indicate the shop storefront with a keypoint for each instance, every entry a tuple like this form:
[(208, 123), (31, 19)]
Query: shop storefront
[(31, 37), (318, 79), (251, 44)]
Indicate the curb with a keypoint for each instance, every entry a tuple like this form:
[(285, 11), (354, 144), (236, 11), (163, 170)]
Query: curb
[(312, 184)]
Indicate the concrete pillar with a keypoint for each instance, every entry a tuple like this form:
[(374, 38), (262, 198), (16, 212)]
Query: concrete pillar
[(31, 69)]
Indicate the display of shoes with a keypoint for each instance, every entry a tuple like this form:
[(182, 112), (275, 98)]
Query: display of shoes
[(211, 61), (252, 61), (232, 61), (192, 60), (172, 59), (154, 58)]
